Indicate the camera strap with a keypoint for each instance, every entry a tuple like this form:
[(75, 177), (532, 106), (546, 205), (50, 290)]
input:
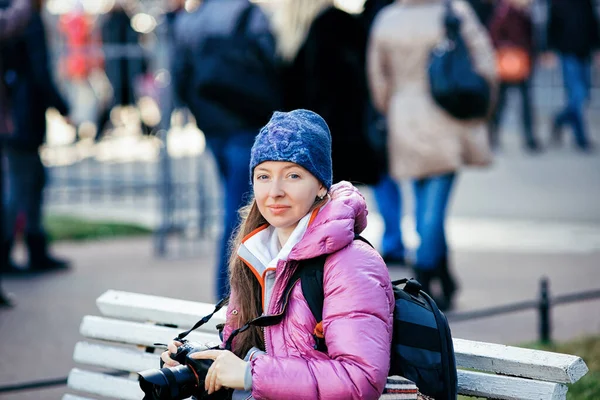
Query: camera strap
[(205, 319), (262, 321)]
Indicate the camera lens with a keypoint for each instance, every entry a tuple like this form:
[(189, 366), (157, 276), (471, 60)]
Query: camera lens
[(168, 383)]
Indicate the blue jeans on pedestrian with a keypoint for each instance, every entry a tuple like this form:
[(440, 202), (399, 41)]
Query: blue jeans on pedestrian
[(389, 201), (577, 80), (431, 198), (232, 155), (26, 179)]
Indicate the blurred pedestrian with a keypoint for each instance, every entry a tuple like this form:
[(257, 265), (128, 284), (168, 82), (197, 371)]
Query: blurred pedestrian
[(425, 143), (324, 71), (225, 74), (573, 34), (511, 30), (13, 18), (32, 92), (124, 61)]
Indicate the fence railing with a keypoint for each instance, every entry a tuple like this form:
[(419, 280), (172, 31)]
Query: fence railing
[(543, 304)]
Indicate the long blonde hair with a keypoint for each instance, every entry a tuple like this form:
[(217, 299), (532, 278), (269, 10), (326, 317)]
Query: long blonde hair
[(245, 284), (291, 22), (247, 288)]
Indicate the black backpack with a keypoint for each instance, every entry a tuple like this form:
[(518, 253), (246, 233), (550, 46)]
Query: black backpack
[(455, 85), (234, 72), (422, 348)]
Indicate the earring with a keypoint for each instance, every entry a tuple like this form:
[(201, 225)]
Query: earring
[(321, 197)]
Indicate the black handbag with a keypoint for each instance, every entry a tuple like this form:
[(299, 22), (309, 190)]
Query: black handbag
[(455, 85), (234, 72)]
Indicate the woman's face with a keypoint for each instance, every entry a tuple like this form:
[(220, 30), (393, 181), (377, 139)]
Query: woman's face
[(284, 193)]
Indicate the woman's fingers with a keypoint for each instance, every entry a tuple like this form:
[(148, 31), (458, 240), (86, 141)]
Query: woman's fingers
[(211, 380), (166, 357), (206, 354), (173, 346)]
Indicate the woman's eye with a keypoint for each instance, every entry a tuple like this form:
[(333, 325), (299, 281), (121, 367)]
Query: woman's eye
[(294, 176), (261, 177)]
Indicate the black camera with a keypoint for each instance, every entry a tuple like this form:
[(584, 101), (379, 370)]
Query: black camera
[(183, 381)]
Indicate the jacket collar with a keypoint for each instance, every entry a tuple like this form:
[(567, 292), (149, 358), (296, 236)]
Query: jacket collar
[(260, 251), (263, 248)]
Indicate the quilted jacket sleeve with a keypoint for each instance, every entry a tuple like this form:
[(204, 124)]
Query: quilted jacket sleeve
[(357, 322)]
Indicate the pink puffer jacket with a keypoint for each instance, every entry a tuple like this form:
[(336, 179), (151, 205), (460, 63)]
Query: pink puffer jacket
[(357, 314)]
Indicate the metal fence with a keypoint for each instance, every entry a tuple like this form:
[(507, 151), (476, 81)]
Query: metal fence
[(543, 304)]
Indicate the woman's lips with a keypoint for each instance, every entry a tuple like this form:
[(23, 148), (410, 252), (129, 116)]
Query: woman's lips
[(276, 210)]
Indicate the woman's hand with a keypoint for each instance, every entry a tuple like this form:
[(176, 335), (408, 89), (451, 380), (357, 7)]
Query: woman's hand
[(166, 355), (227, 370)]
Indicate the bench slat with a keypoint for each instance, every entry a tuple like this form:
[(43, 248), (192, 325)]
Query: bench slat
[(104, 385), (125, 359), (471, 383), (516, 361), (487, 357), (136, 333), (71, 397), (164, 310)]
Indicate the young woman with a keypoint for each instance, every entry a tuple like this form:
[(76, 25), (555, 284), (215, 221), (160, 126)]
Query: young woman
[(297, 214)]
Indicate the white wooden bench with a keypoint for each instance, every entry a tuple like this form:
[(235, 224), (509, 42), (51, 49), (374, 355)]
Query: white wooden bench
[(131, 323)]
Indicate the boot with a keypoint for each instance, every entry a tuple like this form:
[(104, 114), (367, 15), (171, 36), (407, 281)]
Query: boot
[(556, 134), (39, 258), (6, 300), (8, 266), (425, 277), (449, 286)]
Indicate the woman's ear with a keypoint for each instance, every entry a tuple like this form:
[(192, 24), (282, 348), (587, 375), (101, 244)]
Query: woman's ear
[(322, 193)]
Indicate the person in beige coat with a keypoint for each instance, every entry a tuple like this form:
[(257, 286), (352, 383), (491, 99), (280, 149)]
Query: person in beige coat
[(425, 143)]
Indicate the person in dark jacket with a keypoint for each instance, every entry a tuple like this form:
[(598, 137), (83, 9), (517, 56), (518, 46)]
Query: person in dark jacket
[(32, 92), (573, 33), (228, 128), (13, 18), (511, 27), (325, 72), (121, 69)]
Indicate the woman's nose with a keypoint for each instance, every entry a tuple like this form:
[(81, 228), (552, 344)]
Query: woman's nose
[(276, 189)]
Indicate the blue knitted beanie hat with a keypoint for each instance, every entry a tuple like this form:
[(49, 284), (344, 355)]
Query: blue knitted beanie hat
[(298, 136)]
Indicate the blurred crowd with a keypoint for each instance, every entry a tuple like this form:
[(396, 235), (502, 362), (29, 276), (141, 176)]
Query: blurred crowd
[(233, 62)]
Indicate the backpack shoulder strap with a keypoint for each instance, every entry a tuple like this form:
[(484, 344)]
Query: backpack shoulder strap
[(311, 279), (243, 21)]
